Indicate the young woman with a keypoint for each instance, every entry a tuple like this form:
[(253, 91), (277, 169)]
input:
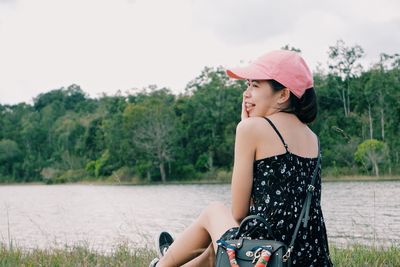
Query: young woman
[(275, 156)]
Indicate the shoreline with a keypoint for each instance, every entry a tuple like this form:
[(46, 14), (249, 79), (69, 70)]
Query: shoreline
[(329, 179), (361, 178)]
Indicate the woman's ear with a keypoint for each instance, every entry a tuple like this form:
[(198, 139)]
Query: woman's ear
[(284, 95)]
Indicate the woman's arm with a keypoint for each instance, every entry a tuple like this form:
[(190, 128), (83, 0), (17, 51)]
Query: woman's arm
[(242, 177)]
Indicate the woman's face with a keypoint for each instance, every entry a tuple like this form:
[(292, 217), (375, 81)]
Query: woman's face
[(259, 99)]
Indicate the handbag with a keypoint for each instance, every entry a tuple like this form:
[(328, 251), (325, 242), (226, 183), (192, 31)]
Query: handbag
[(243, 251)]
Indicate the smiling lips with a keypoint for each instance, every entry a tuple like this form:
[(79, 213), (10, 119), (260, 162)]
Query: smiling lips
[(249, 105)]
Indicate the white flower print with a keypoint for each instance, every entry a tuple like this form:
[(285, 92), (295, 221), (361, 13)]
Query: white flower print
[(282, 181)]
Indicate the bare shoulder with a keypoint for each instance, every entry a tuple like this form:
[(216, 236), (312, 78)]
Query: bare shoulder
[(252, 130), (250, 123), (247, 136), (251, 126)]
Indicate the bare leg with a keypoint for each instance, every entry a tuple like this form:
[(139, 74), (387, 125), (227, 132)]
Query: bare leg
[(206, 259), (205, 230)]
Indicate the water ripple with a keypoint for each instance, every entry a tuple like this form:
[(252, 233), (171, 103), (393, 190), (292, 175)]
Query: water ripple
[(41, 216)]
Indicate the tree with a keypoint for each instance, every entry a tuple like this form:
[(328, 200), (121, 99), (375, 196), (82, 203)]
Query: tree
[(370, 153), (165, 136), (385, 85), (69, 138), (291, 48), (343, 63), (152, 128), (9, 155), (69, 98), (210, 116)]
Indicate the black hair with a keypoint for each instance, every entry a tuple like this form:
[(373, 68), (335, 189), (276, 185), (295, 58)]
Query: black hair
[(305, 108)]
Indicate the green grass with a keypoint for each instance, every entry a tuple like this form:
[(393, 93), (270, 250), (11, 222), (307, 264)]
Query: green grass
[(357, 256), (74, 256)]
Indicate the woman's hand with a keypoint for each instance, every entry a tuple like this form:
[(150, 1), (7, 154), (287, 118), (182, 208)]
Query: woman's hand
[(244, 114)]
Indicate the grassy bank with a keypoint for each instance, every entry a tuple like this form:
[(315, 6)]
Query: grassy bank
[(122, 256), (74, 256), (360, 256)]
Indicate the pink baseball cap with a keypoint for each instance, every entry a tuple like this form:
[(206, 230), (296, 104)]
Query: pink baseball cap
[(286, 67)]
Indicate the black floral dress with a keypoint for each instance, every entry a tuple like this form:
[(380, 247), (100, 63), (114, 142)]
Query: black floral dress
[(278, 194)]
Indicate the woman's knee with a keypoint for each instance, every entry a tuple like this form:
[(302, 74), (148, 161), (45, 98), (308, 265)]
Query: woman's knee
[(217, 207), (212, 208), (216, 212)]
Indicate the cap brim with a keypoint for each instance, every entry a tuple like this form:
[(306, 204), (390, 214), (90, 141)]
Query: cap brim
[(251, 72)]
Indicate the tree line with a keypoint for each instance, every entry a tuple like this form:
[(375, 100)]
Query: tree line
[(155, 135)]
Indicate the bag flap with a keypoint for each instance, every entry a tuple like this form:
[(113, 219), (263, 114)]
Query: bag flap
[(247, 246)]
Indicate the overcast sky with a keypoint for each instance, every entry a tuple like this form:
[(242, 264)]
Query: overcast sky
[(111, 45)]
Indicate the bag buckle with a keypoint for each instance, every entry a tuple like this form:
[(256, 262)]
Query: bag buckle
[(287, 254), (310, 188), (257, 255), (261, 257), (249, 253)]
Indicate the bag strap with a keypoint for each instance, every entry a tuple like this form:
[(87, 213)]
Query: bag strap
[(258, 218), (304, 215)]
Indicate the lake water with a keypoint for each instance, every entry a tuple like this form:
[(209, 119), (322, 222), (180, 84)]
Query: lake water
[(40, 216)]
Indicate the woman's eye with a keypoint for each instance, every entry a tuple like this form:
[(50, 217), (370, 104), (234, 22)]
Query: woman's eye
[(252, 84)]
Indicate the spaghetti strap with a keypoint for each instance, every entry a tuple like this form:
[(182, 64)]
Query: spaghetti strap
[(278, 133)]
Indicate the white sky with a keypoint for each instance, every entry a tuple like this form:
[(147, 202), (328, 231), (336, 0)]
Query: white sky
[(111, 45)]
